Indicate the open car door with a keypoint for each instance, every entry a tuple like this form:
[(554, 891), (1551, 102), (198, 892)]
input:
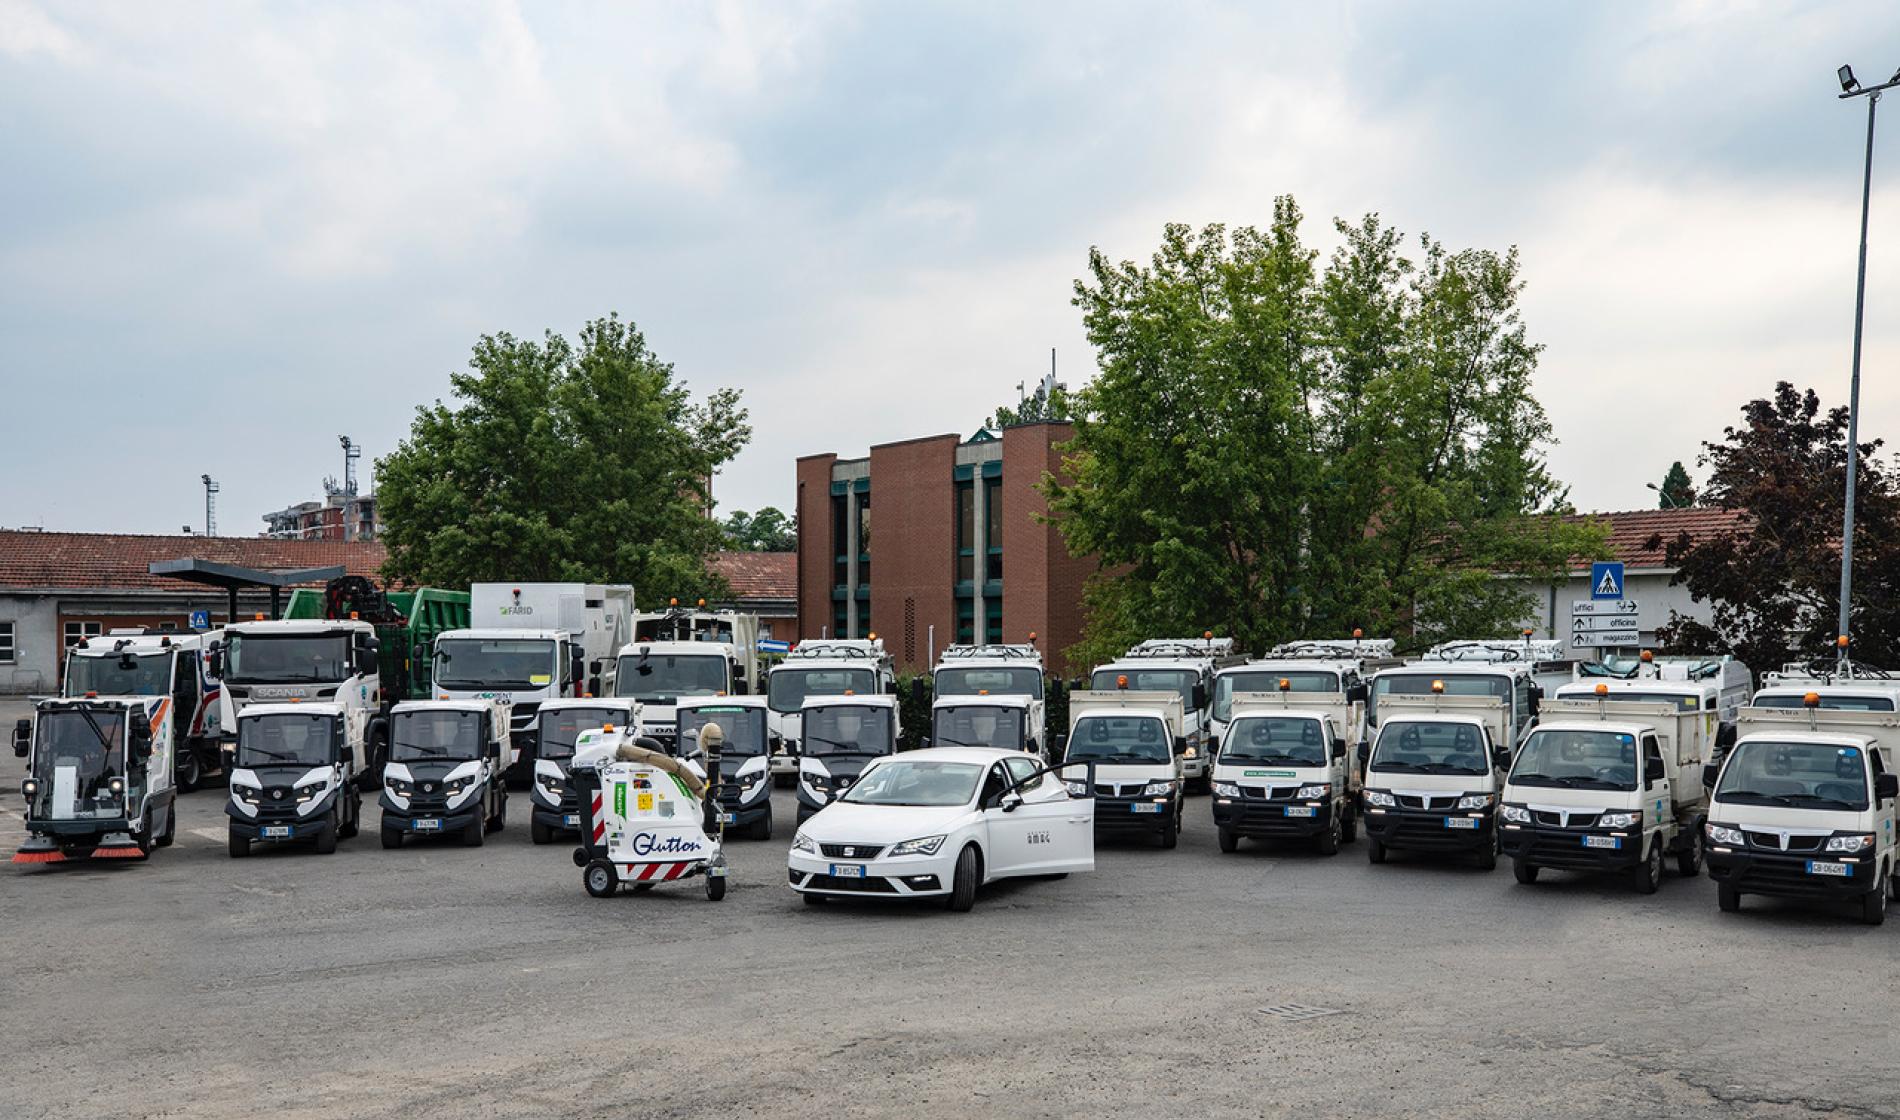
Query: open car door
[(1037, 825)]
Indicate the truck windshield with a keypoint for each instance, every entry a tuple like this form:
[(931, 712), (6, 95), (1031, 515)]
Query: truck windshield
[(560, 727), (1268, 680), (665, 677), (1178, 681), (1832, 702), (1798, 775), (918, 783), (1286, 740), (287, 658), (998, 680), (847, 729), (1682, 702), (1430, 747), (74, 758), (744, 728), (289, 740), (1420, 684), (978, 725), (1142, 739), (494, 663), (118, 674), (786, 687), (1577, 760), (426, 736)]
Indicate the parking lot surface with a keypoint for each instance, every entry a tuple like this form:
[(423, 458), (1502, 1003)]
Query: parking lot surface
[(446, 981)]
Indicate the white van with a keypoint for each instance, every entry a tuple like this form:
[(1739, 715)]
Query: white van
[(1282, 771), (1434, 773), (1135, 740)]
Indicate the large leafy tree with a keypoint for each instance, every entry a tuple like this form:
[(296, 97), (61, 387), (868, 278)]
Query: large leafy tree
[(561, 461), (1273, 450), (768, 530), (1772, 580)]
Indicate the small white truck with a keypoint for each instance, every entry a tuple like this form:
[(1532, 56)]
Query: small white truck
[(1803, 807), (842, 735), (295, 776), (172, 664), (553, 804), (994, 672), (1135, 740), (819, 667), (1342, 666), (661, 675), (98, 778), (1850, 689), (1434, 773), (1283, 772), (1185, 667), (1611, 783), (445, 773), (699, 624), (274, 661), (980, 720), (742, 797)]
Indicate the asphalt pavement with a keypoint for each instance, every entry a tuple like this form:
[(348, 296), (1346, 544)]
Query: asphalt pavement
[(438, 980)]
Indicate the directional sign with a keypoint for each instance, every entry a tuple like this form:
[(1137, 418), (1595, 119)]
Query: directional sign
[(201, 620), (1603, 607), (1606, 579), (767, 645), (1594, 640), (1606, 624)]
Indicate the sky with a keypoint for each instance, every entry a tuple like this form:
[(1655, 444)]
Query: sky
[(230, 233)]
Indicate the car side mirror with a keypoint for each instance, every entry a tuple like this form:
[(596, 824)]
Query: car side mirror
[(890, 687), (1710, 771), (418, 654), (1365, 752), (1339, 749), (595, 668), (1537, 698), (214, 662), (1010, 801), (1501, 757), (22, 737), (1357, 694), (1200, 697), (1180, 744), (368, 661), (1652, 771), (1886, 786)]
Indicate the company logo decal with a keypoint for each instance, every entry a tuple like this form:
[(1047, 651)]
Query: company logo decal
[(648, 844)]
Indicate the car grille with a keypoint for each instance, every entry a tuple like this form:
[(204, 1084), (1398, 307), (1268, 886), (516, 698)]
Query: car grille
[(1409, 801), (1789, 875), (1428, 833), (1269, 793), (1556, 820), (852, 851), (1565, 849), (1772, 842)]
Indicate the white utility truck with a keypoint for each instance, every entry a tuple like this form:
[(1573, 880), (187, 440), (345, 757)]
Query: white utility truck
[(1282, 771), (979, 720), (445, 773), (98, 778), (1611, 783), (1803, 807), (1136, 740), (1185, 667), (1510, 683), (553, 805), (819, 667), (294, 775), (994, 673), (663, 674), (1325, 665), (1434, 773), (698, 624), (841, 736), (742, 798), (274, 661), (1846, 687), (530, 643), (167, 663)]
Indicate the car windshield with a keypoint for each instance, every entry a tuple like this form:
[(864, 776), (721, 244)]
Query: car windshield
[(1286, 740), (744, 728), (846, 729), (74, 756), (1833, 702), (1430, 747), (1178, 681), (1105, 738), (663, 678), (1682, 702), (1799, 775), (916, 782), (996, 680), (494, 663), (286, 658), (1569, 759), (1420, 684), (1268, 680), (119, 674), (426, 735), (978, 725), (289, 740), (561, 726), (787, 687)]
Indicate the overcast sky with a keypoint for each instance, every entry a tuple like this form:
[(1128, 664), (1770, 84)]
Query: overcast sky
[(232, 232)]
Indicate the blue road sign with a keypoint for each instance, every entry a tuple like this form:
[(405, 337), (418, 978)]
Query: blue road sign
[(201, 620), (1606, 579), (767, 645)]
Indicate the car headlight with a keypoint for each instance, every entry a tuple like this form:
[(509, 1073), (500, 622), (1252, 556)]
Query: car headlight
[(817, 781), (1722, 834), (29, 788), (1158, 789), (1476, 800), (116, 786), (747, 781), (456, 786), (1620, 820), (309, 790), (803, 843), (1381, 798), (922, 846), (1849, 844), (1077, 789), (1516, 814), (1226, 789), (399, 786), (1305, 793)]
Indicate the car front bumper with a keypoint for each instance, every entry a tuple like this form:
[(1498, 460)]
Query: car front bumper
[(1425, 830), (885, 877), (1119, 814), (405, 820), (1268, 820), (1789, 875), (1572, 849)]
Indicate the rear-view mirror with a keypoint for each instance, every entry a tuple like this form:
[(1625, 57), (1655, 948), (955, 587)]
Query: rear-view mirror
[(1339, 749), (1357, 694), (1652, 770), (1886, 786), (22, 737), (1710, 771), (418, 654), (1009, 801), (1501, 757), (1200, 697), (1365, 752), (1180, 744)]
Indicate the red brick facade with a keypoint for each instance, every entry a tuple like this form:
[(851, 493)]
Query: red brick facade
[(913, 546)]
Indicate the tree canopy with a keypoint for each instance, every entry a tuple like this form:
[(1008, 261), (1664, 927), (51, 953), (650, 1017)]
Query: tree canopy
[(1675, 490), (585, 461), (768, 530), (1274, 450)]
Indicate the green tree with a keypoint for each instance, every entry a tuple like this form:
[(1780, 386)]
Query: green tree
[(1272, 451), (558, 461), (1676, 491), (768, 530), (1049, 402)]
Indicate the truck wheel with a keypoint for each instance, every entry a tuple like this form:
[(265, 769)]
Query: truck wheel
[(187, 770), (1647, 875), (1873, 906), (326, 836), (540, 833), (1525, 871), (500, 820), (166, 837), (1488, 855), (1689, 859), (352, 824), (1229, 840), (1171, 833), (392, 837), (1349, 831), (1893, 887), (238, 845), (1375, 850), (1328, 841), (762, 828), (600, 879), (1728, 898), (715, 887), (474, 833), (962, 894)]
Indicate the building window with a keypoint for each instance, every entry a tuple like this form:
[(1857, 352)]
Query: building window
[(6, 643), (993, 529), (993, 620), (841, 572), (78, 631), (966, 620), (864, 538), (966, 532)]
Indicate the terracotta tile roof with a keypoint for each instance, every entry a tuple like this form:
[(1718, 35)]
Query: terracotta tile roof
[(120, 562), (1632, 530), (759, 575)]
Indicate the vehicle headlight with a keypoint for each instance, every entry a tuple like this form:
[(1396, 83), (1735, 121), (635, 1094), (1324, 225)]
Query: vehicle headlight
[(1077, 789), (553, 783), (1516, 814), (1226, 789), (922, 846), (1849, 844), (399, 786), (803, 843), (309, 790), (29, 788), (455, 786), (817, 781), (1191, 752), (1381, 798), (1158, 789), (1323, 789), (1476, 800), (1722, 834), (747, 781), (1619, 820)]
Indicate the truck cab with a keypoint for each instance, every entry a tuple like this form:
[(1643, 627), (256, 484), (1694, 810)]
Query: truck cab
[(524, 668), (1610, 784), (1321, 666), (1135, 739), (661, 675), (979, 720), (744, 788), (1282, 771), (1803, 807), (307, 660), (1837, 692), (447, 761), (994, 672), (98, 778), (1508, 684), (819, 667), (294, 776), (156, 663), (553, 804), (841, 736), (1185, 667), (1433, 775)]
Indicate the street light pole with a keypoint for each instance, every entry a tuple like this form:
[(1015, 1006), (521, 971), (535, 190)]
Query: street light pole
[(1668, 502)]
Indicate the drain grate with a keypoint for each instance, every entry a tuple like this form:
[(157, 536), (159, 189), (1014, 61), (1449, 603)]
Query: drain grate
[(1299, 1012)]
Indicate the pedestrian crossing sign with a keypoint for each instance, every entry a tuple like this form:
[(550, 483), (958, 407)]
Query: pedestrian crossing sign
[(1606, 580)]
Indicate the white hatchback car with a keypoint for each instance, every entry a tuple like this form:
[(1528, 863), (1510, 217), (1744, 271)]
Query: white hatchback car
[(939, 822)]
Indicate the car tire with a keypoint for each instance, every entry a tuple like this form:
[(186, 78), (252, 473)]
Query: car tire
[(165, 838), (1647, 875), (1327, 843), (540, 833), (474, 833), (762, 828), (326, 835), (354, 824), (1171, 833), (1349, 831), (1229, 840), (1488, 855), (1689, 859), (1375, 850), (1728, 898), (500, 820), (715, 888), (1873, 907), (600, 879), (392, 837), (188, 770), (237, 845), (962, 894), (1525, 871)]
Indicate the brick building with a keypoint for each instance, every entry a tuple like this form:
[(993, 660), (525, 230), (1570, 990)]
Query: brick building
[(956, 551)]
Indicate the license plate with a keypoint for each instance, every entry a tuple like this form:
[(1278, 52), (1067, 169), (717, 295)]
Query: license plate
[(277, 832), (1146, 807), (1840, 870), (847, 871), (1300, 810), (1603, 841), (427, 824), (728, 818), (572, 820), (1461, 822)]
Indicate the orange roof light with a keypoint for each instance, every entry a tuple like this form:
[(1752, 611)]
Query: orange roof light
[(982, 692), (1121, 681), (607, 727), (1812, 699), (1286, 684), (1603, 689), (587, 696), (1208, 635), (673, 602), (1841, 641), (1032, 635), (352, 616), (1647, 656), (850, 692), (872, 635), (1438, 686), (702, 602), (1357, 633), (258, 617)]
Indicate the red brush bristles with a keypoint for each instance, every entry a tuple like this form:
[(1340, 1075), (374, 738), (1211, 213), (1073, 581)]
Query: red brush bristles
[(117, 853), (39, 857)]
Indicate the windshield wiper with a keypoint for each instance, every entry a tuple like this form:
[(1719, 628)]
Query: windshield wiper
[(1279, 759), (1817, 798), (1408, 767), (431, 752), (848, 748), (280, 756), (1445, 768)]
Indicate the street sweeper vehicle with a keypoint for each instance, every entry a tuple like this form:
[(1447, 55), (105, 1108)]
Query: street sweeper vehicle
[(643, 814), (98, 778)]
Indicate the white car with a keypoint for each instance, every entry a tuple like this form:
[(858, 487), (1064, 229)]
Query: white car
[(939, 822)]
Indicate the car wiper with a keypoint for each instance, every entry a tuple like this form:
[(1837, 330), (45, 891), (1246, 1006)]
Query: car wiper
[(1816, 798), (1410, 767), (1445, 768), (280, 756), (432, 752), (1279, 759)]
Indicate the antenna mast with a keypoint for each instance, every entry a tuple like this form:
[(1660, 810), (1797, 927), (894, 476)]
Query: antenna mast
[(211, 505)]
